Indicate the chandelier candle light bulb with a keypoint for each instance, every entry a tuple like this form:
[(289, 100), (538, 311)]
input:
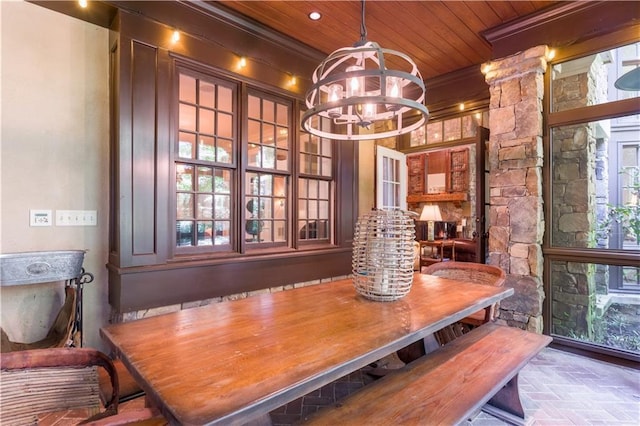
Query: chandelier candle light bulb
[(394, 90), (335, 94), (355, 85), (368, 114)]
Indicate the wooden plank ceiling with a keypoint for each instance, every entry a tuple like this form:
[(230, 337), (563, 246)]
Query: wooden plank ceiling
[(440, 36)]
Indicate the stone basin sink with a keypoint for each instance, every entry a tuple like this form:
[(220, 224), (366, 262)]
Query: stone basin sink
[(40, 266)]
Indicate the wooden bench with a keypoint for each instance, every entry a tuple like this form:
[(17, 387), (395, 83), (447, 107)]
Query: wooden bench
[(446, 386)]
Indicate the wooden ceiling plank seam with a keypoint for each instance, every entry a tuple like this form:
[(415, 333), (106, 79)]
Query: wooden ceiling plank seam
[(343, 19), (265, 13), (503, 9), (485, 13), (424, 35), (329, 20), (393, 41), (335, 19), (415, 49), (309, 35), (466, 15), (523, 7), (542, 4), (448, 35), (440, 36), (338, 21), (384, 17), (251, 27), (537, 5), (281, 22), (465, 34)]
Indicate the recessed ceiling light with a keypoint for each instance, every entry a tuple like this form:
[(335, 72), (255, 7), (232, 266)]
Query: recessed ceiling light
[(314, 16)]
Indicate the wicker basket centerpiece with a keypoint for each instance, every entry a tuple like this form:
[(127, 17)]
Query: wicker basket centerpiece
[(383, 255)]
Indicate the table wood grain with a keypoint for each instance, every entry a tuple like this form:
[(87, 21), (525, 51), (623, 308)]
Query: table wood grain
[(234, 361)]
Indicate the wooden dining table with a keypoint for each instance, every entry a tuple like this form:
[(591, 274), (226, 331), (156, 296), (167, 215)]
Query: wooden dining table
[(235, 361)]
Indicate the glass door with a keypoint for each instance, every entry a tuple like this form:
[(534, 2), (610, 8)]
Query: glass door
[(391, 179), (481, 233), (453, 175)]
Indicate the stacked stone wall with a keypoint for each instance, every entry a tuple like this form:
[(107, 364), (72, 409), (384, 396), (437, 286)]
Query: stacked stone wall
[(516, 220), (574, 298), (573, 186), (602, 209), (579, 195)]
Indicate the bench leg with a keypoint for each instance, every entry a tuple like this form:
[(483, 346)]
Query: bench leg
[(418, 349), (430, 343), (506, 404)]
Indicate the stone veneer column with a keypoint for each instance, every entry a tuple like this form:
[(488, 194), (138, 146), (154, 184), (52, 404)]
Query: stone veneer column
[(516, 220)]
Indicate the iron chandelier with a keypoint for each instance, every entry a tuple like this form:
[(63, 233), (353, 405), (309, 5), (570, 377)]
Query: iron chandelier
[(354, 88)]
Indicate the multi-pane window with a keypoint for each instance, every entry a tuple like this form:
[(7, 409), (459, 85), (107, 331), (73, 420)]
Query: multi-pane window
[(594, 210), (438, 131), (238, 191), (630, 173), (267, 176), (268, 134), (314, 190), (203, 205), (391, 179), (266, 202), (313, 209), (627, 213), (315, 154), (594, 162), (205, 155)]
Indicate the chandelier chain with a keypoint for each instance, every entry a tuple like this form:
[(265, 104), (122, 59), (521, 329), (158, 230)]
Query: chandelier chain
[(363, 27)]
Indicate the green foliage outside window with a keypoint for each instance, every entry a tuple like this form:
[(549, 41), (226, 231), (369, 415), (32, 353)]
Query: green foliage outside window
[(627, 215)]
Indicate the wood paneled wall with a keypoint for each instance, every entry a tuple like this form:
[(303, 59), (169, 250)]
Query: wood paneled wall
[(143, 270)]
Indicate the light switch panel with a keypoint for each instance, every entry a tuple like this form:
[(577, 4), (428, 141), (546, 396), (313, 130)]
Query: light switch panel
[(76, 218), (40, 218)]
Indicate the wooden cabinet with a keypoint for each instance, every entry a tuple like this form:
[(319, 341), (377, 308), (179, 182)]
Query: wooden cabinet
[(441, 175), (416, 171), (458, 170), (437, 172)]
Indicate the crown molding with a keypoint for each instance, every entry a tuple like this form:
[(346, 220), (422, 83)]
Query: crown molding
[(223, 14), (562, 25)]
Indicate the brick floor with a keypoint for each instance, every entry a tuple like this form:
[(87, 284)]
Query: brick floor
[(556, 388), (293, 412)]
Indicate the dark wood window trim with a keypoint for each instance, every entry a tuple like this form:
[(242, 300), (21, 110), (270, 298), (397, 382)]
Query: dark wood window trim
[(229, 167), (553, 253), (570, 117), (143, 270)]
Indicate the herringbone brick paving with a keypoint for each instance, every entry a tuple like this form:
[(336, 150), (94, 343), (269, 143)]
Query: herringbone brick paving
[(556, 388)]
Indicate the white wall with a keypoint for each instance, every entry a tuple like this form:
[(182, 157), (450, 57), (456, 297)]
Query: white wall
[(366, 176), (54, 155)]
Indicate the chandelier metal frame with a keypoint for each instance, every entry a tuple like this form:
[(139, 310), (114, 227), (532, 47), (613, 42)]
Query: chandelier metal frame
[(373, 93)]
